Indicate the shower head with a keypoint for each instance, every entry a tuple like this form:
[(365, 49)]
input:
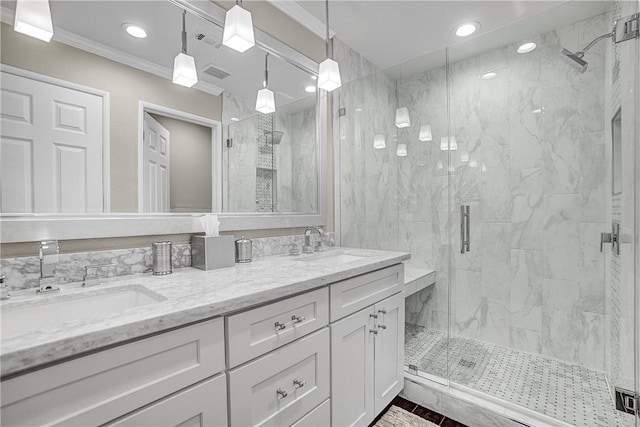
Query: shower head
[(574, 59)]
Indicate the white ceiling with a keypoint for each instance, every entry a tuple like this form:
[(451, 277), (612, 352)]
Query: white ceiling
[(101, 22), (392, 32)]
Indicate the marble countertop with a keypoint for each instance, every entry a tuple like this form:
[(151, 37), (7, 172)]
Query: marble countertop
[(188, 295)]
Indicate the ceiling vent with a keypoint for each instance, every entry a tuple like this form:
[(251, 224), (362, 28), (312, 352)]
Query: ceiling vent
[(211, 41), (215, 72)]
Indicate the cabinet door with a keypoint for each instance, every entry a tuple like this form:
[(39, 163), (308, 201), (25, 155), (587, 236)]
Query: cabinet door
[(352, 345), (389, 350), (204, 404)]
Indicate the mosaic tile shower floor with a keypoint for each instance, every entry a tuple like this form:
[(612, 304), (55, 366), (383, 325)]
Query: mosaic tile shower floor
[(567, 392)]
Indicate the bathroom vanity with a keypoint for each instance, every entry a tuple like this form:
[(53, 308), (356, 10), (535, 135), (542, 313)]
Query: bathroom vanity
[(313, 340)]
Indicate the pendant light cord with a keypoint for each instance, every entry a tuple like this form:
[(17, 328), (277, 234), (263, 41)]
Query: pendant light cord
[(326, 5), (184, 31), (266, 72)]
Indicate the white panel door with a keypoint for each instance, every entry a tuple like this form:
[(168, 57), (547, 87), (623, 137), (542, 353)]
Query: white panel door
[(155, 158), (389, 350), (51, 148), (352, 347)]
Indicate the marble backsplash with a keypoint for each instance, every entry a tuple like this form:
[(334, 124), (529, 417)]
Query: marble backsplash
[(23, 272)]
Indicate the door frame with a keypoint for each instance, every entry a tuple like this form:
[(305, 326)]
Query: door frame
[(216, 148), (106, 125)]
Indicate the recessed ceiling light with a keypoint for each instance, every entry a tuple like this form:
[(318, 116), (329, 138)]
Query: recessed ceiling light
[(358, 109), (466, 29), (310, 89), (489, 75), (314, 77), (235, 119), (526, 47), (135, 31)]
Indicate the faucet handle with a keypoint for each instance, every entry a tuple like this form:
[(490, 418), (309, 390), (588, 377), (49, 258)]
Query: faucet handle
[(4, 289)]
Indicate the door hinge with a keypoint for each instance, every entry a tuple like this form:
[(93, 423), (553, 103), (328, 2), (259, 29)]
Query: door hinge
[(626, 401)]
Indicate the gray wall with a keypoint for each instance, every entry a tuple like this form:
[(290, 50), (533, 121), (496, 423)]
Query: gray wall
[(190, 163)]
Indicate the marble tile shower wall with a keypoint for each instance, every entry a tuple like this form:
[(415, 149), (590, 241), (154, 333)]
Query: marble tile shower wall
[(23, 272), (530, 164)]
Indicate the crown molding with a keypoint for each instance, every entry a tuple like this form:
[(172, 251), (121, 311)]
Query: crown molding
[(301, 15), (79, 42)]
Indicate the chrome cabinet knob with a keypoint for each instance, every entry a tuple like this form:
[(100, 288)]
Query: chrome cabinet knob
[(382, 311), (281, 393), (298, 319), (280, 326), (382, 326), (373, 331), (299, 383)]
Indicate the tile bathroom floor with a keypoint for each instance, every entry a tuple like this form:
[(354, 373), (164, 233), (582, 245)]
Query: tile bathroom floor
[(565, 391)]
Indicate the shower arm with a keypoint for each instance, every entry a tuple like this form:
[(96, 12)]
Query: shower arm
[(581, 53)]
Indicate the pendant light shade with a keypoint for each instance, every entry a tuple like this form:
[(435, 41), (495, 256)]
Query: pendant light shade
[(329, 75), (378, 141), (402, 118), (425, 133), (33, 18), (329, 72), (238, 29), (184, 70), (265, 101), (184, 66), (401, 151), (448, 144)]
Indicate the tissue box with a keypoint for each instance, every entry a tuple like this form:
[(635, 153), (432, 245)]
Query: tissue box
[(211, 252)]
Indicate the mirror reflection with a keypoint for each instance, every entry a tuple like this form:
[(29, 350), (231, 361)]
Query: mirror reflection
[(92, 121)]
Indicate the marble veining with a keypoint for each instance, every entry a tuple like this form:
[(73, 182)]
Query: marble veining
[(191, 295), (23, 272)]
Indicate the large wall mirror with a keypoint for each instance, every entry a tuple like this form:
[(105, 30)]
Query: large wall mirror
[(93, 125)]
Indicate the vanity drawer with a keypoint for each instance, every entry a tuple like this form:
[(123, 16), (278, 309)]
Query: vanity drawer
[(354, 294), (253, 388), (204, 404), (319, 417), (99, 387), (255, 332)]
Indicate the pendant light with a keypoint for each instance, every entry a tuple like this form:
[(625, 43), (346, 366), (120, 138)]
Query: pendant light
[(33, 18), (402, 118), (238, 28), (378, 141), (184, 66), (447, 143), (401, 150), (265, 102), (329, 72), (425, 133)]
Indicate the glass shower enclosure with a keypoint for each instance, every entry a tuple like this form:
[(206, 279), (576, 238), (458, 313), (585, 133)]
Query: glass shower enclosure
[(514, 185)]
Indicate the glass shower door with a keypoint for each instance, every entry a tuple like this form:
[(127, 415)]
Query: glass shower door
[(541, 316)]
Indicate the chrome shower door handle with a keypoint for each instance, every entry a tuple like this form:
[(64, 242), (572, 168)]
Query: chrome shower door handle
[(465, 228)]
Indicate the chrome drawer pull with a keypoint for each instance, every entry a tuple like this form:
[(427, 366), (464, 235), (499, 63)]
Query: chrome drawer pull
[(281, 393), (382, 311), (298, 319), (375, 316), (299, 383), (373, 331), (280, 326)]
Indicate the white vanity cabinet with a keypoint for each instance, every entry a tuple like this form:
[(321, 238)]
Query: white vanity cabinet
[(367, 346), (97, 388)]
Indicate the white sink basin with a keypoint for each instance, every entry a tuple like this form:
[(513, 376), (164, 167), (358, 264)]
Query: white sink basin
[(335, 258), (21, 317)]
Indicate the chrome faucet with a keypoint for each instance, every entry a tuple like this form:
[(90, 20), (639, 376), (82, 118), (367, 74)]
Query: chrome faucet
[(49, 251), (307, 248), (4, 289)]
